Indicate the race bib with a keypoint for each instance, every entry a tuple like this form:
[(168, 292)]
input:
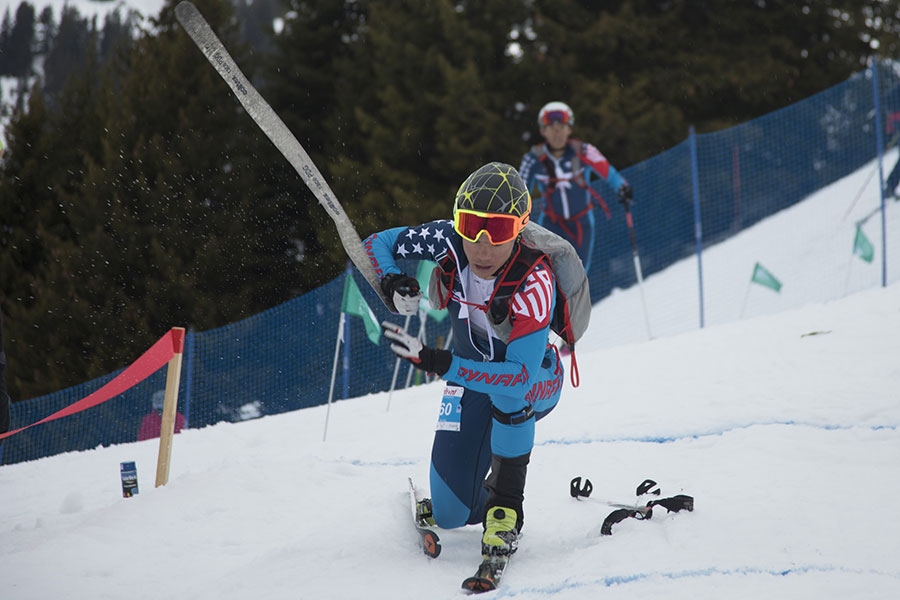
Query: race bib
[(451, 409)]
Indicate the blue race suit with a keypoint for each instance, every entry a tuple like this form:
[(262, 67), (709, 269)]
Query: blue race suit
[(503, 385), (566, 197)]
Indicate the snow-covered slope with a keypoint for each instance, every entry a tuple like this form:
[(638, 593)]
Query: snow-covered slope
[(784, 428)]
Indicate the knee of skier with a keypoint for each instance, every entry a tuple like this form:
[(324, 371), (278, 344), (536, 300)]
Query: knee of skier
[(448, 510)]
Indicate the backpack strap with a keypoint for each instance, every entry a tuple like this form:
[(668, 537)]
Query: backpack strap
[(521, 263), (540, 150), (517, 271), (514, 274), (578, 147), (577, 170)]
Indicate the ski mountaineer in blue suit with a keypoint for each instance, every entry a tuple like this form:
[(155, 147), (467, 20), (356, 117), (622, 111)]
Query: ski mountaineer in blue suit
[(568, 175), (502, 374)]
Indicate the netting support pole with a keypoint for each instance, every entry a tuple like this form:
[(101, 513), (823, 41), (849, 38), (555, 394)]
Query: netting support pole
[(698, 228), (337, 349), (879, 141), (396, 369), (189, 378)]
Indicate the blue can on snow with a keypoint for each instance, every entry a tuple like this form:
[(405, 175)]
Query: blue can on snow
[(129, 479)]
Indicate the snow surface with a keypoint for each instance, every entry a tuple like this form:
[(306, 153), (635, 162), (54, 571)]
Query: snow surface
[(784, 428)]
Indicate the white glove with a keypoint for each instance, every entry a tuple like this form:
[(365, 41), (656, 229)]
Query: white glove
[(407, 346), (430, 360)]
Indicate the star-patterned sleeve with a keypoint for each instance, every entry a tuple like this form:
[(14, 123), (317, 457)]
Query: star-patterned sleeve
[(422, 242)]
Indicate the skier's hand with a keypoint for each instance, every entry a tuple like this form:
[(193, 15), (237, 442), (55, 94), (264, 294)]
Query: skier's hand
[(403, 292), (430, 360), (406, 346), (626, 194)]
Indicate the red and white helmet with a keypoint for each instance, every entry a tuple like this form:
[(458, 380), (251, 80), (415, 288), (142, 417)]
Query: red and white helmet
[(556, 112)]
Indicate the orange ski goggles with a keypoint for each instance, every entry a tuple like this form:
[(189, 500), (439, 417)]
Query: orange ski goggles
[(500, 228)]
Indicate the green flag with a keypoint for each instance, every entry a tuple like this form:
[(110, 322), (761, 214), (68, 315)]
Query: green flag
[(763, 277), (423, 275), (862, 247), (353, 303)]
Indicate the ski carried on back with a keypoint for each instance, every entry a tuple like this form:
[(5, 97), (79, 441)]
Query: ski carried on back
[(431, 543)]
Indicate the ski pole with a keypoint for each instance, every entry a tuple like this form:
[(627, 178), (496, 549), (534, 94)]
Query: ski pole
[(623, 511), (396, 370), (583, 492), (891, 144), (637, 266), (860, 193)]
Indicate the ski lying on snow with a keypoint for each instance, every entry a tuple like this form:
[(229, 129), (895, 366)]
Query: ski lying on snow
[(488, 575), (642, 511), (431, 543)]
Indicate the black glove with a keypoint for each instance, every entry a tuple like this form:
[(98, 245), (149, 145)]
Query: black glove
[(403, 292), (430, 360), (626, 194)]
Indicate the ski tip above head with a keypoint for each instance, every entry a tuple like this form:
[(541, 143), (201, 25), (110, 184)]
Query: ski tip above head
[(185, 6)]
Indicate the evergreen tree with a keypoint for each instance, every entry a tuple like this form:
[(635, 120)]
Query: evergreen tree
[(117, 34), (424, 95), (43, 318), (45, 32), (639, 73), (300, 84), (256, 23), (186, 238), (21, 41), (136, 194), (17, 42), (133, 208), (5, 29), (66, 55)]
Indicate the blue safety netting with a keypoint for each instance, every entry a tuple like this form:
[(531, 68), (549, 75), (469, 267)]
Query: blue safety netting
[(701, 192)]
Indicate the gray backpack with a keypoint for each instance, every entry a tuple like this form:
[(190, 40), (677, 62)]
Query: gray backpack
[(571, 279)]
